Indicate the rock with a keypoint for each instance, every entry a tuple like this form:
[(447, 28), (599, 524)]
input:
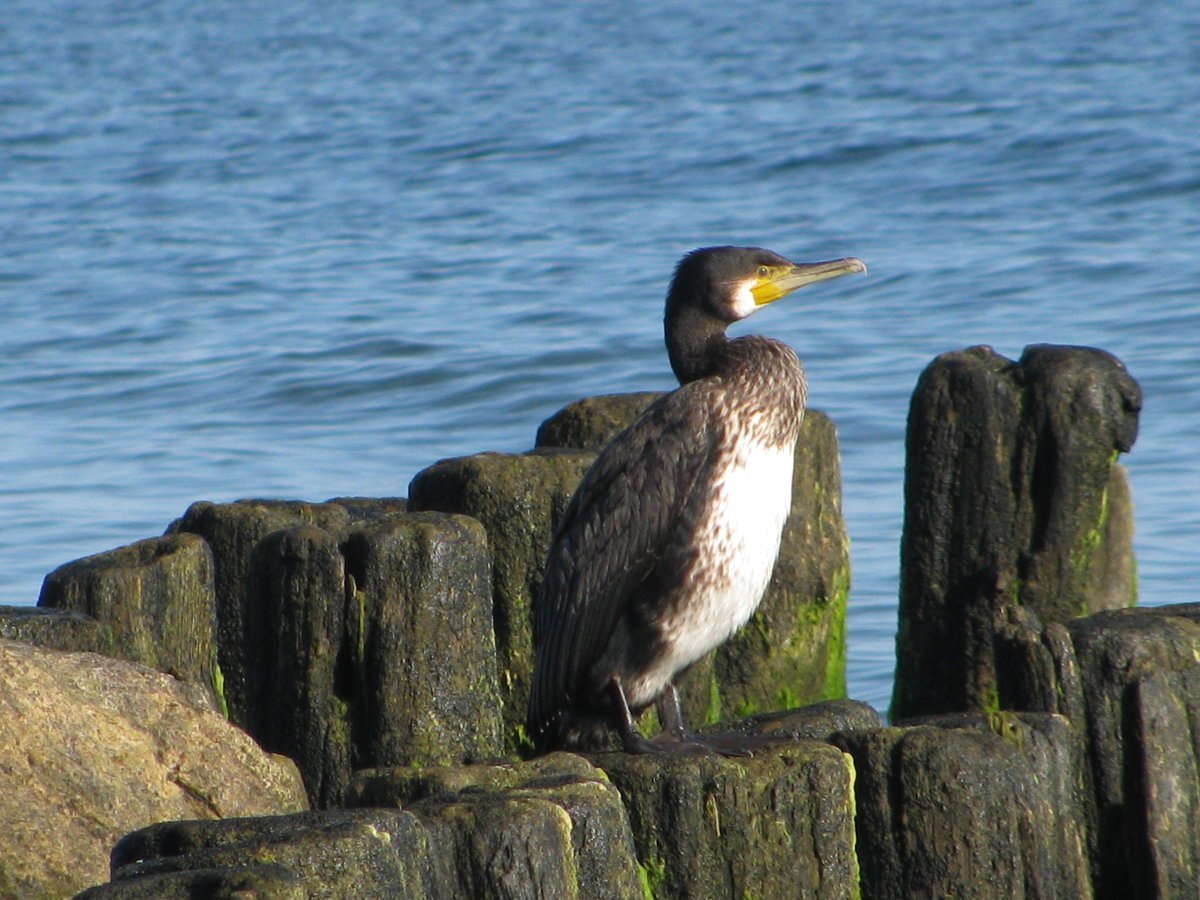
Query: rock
[(232, 530), (967, 806), (519, 499), (92, 747), (156, 599), (778, 824), (793, 651), (1012, 497), (55, 629)]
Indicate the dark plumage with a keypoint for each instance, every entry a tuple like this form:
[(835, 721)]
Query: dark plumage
[(670, 539)]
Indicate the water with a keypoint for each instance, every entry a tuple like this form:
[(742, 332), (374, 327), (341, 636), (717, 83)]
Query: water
[(305, 249)]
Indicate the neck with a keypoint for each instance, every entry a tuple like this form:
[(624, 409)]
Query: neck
[(695, 340)]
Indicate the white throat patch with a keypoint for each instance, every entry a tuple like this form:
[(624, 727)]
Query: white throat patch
[(743, 299)]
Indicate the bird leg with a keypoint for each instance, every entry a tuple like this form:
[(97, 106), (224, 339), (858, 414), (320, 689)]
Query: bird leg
[(673, 739), (670, 714), (631, 738)]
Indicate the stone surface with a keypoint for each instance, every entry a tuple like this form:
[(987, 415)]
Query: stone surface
[(519, 499), (155, 598), (92, 747), (1012, 497), (779, 824), (971, 807)]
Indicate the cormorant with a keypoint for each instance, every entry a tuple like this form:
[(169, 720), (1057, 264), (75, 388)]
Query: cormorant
[(669, 541)]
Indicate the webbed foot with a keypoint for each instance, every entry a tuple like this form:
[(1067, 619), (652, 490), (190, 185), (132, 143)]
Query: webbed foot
[(675, 738), (687, 744), (665, 742), (733, 744)]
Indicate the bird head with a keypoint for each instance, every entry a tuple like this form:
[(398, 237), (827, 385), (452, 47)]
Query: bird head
[(732, 283)]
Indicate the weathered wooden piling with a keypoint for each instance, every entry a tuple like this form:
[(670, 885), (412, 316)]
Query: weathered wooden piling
[(156, 600), (1012, 498), (420, 648), (519, 498), (365, 634), (232, 530), (55, 629), (1130, 681), (554, 827), (342, 853), (970, 806), (780, 824), (294, 647)]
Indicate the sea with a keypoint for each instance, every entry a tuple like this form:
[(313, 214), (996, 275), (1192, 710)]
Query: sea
[(300, 249)]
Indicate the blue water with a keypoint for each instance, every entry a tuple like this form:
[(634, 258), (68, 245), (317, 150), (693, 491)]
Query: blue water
[(303, 249)]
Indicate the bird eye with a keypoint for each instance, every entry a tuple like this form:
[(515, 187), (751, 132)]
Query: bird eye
[(762, 271)]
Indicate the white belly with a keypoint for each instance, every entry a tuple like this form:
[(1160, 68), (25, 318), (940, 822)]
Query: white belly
[(749, 506)]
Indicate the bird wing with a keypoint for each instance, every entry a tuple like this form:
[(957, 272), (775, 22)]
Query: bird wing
[(641, 490)]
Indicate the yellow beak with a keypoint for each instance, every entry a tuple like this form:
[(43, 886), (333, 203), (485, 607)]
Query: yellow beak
[(774, 282)]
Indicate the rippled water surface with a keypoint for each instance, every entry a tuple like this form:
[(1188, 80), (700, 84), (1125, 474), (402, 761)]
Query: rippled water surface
[(305, 249)]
